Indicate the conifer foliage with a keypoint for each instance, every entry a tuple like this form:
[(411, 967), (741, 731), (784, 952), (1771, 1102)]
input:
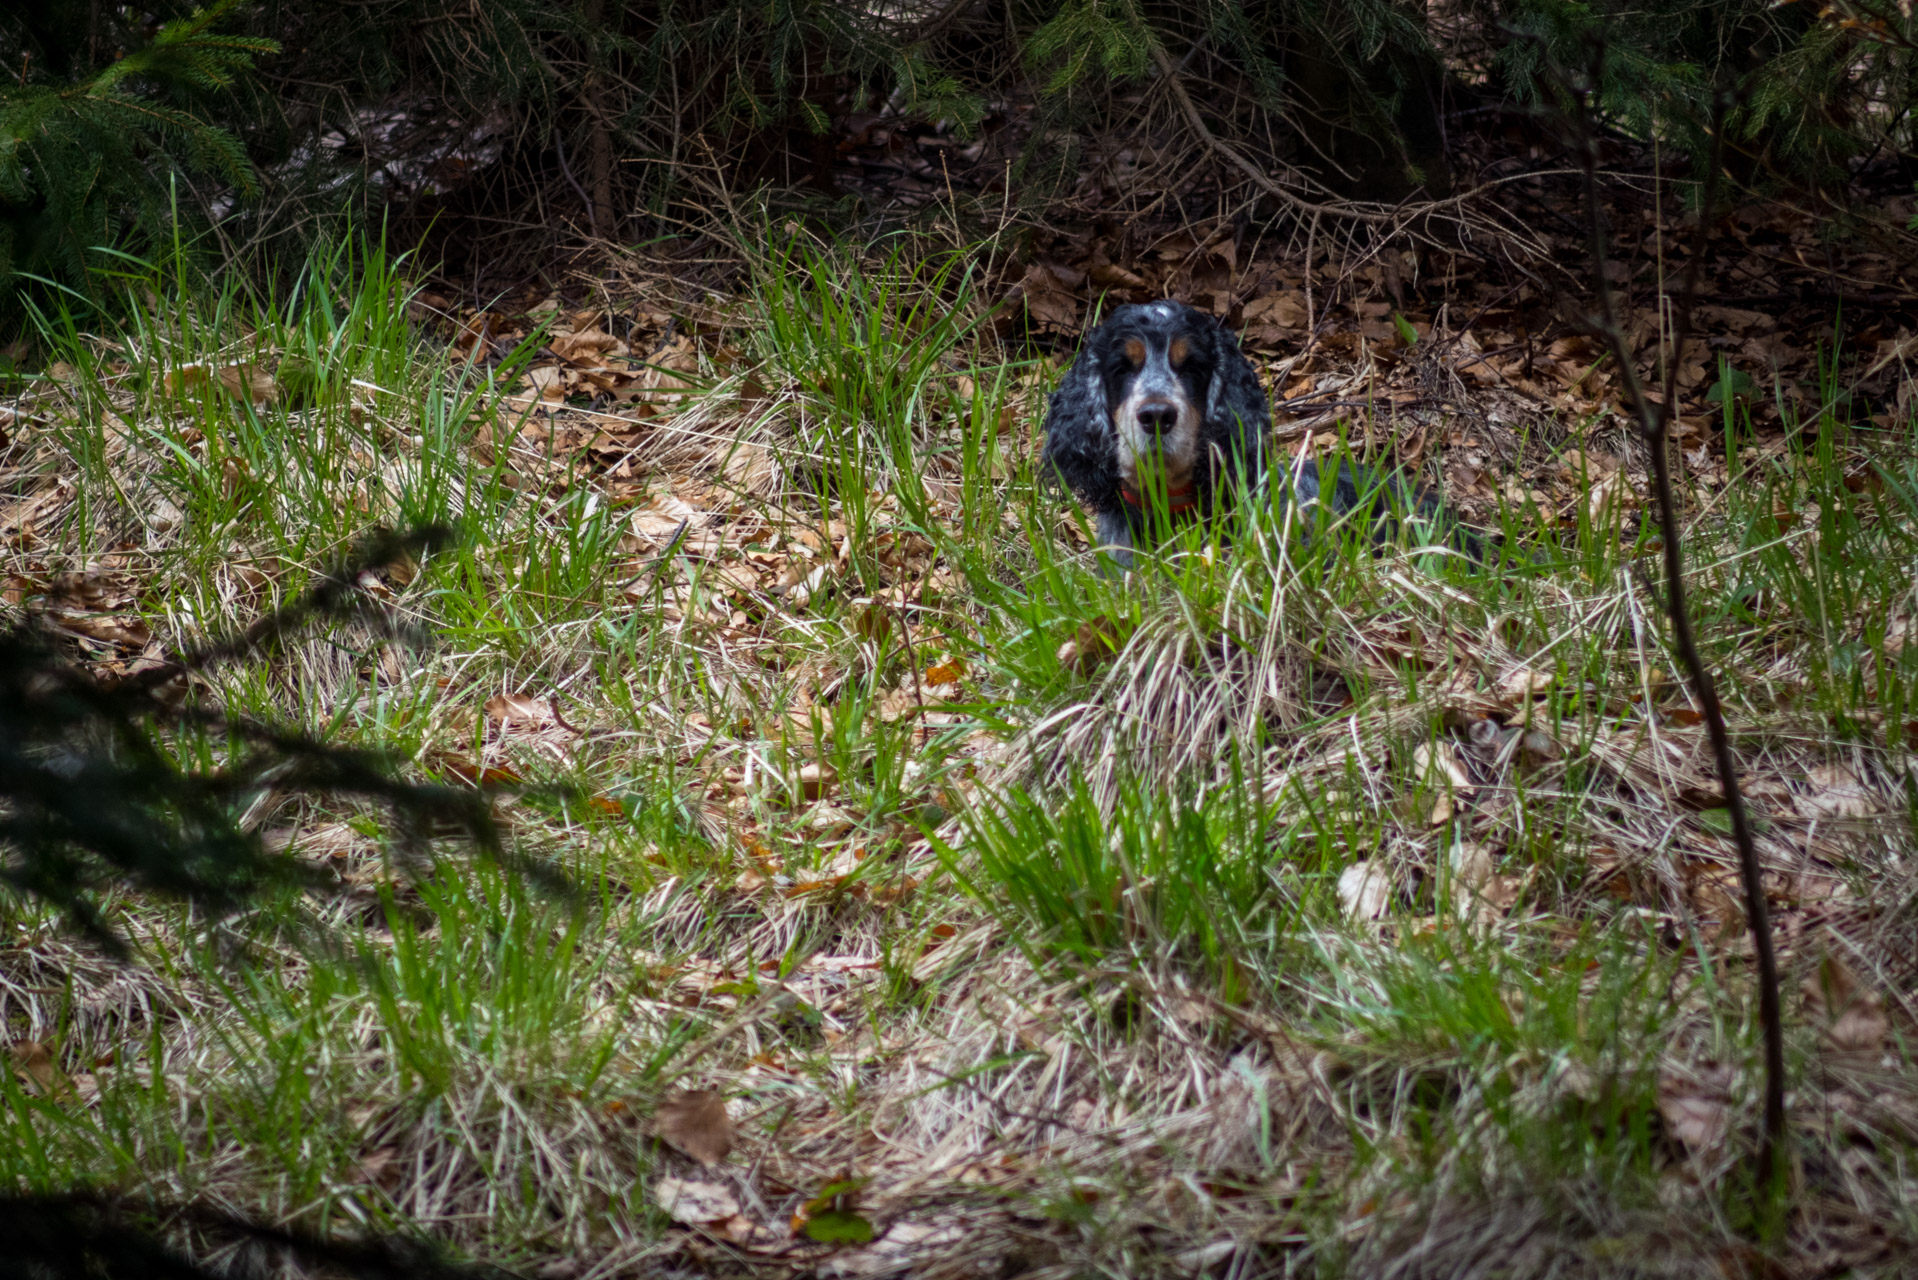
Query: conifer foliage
[(87, 151), (600, 116)]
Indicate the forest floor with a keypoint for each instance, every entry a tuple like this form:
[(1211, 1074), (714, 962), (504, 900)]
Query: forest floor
[(942, 905)]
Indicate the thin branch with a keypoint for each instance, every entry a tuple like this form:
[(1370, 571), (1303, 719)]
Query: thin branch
[(1654, 422), (1381, 215)]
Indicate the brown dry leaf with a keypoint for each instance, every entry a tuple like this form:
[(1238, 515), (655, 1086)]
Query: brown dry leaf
[(694, 1121), (516, 710), (379, 1167), (1837, 793), (1365, 890), (587, 344), (1284, 308), (246, 382), (893, 1254), (951, 671), (1437, 765), (1851, 1014), (1714, 898), (1047, 302), (1109, 275), (163, 515), (17, 588), (249, 382), (1524, 683), (549, 381), (119, 630), (1612, 493), (1093, 645), (735, 577), (658, 522), (816, 780), (1694, 1114), (1473, 879), (751, 466), (871, 621), (695, 1202), (33, 1061)]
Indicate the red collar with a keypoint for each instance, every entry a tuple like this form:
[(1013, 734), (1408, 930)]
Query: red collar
[(1176, 500)]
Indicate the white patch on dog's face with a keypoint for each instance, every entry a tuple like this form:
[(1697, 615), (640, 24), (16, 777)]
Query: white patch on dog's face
[(1175, 450)]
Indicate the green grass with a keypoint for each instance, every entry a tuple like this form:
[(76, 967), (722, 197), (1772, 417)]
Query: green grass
[(1078, 933)]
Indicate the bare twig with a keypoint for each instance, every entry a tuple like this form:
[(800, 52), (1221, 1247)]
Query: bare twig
[(1654, 421), (1397, 217)]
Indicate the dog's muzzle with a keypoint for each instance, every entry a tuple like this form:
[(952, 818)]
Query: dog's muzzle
[(1158, 418), (1157, 431)]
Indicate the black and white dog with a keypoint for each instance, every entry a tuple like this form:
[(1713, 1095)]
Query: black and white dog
[(1162, 412)]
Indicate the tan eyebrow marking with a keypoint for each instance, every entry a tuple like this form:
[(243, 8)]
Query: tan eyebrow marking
[(1135, 352), (1180, 350)]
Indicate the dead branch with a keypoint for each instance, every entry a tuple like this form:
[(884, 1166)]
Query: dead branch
[(1397, 218), (1654, 421)]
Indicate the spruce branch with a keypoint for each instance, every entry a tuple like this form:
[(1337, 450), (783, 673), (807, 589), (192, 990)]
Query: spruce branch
[(90, 797)]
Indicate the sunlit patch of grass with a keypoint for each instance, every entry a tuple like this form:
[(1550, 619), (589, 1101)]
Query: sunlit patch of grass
[(1071, 940), (1156, 878)]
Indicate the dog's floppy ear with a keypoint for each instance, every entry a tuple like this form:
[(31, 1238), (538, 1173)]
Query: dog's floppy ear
[(1079, 439), (1235, 403), (1225, 354)]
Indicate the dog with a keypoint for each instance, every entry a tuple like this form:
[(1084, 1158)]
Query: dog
[(1161, 414)]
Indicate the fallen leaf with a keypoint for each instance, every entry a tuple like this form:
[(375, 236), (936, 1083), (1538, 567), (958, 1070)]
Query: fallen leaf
[(516, 710), (871, 621), (585, 344), (1837, 793), (1365, 890), (241, 381), (694, 1202), (694, 1121), (490, 776), (1047, 302), (1694, 1109), (1474, 879), (951, 671), (658, 522), (1851, 1014), (122, 631), (894, 1253), (815, 780), (18, 588), (1713, 898), (1437, 765), (34, 1060), (1095, 643), (1524, 683), (1613, 492), (378, 1167), (1107, 275)]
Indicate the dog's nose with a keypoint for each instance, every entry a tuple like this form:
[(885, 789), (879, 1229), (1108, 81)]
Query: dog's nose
[(1158, 417)]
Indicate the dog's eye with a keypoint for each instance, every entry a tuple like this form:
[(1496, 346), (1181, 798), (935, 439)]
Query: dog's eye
[(1135, 353), (1180, 350)]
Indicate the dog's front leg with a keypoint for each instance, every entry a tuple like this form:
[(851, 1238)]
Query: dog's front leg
[(1115, 539)]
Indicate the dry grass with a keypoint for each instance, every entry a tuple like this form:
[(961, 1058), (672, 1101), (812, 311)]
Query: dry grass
[(1009, 909)]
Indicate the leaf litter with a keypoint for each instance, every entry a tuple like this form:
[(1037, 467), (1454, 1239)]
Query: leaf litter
[(1014, 1103)]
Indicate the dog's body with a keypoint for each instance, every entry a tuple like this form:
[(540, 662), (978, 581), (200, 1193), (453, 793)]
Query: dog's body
[(1161, 411)]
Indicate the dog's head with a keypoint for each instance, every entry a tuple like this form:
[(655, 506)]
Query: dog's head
[(1156, 362)]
